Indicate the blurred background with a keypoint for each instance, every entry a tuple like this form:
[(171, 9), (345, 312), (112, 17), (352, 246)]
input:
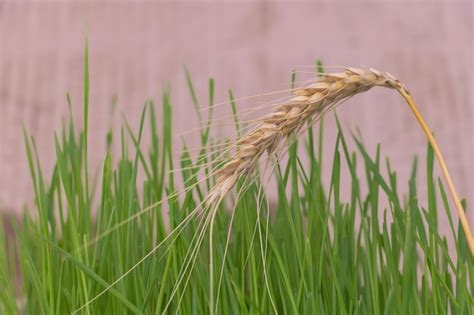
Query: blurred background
[(139, 48)]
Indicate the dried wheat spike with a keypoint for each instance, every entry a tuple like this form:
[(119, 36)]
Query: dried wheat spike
[(308, 102)]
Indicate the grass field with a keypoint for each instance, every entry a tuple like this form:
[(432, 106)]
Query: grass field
[(309, 256)]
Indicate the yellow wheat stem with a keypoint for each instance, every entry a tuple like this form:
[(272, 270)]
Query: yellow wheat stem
[(444, 169)]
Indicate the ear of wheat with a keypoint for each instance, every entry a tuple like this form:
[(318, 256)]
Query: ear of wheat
[(309, 103)]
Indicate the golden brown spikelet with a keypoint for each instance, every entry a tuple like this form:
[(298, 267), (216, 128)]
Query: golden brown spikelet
[(290, 117)]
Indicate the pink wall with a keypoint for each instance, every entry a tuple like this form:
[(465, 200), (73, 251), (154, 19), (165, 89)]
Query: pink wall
[(251, 46)]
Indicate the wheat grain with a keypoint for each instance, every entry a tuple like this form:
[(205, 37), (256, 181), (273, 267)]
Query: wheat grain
[(291, 116)]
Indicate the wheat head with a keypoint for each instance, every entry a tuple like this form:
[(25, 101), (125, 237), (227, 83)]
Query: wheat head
[(308, 103)]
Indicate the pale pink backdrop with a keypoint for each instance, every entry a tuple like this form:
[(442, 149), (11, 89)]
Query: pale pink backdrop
[(138, 48)]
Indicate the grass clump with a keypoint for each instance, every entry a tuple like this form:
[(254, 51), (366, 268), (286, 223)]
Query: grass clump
[(310, 256)]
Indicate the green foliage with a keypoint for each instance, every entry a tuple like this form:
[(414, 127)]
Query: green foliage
[(315, 254)]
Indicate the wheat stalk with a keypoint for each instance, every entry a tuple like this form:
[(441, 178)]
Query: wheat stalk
[(309, 103)]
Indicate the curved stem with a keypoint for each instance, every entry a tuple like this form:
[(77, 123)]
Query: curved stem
[(462, 215)]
